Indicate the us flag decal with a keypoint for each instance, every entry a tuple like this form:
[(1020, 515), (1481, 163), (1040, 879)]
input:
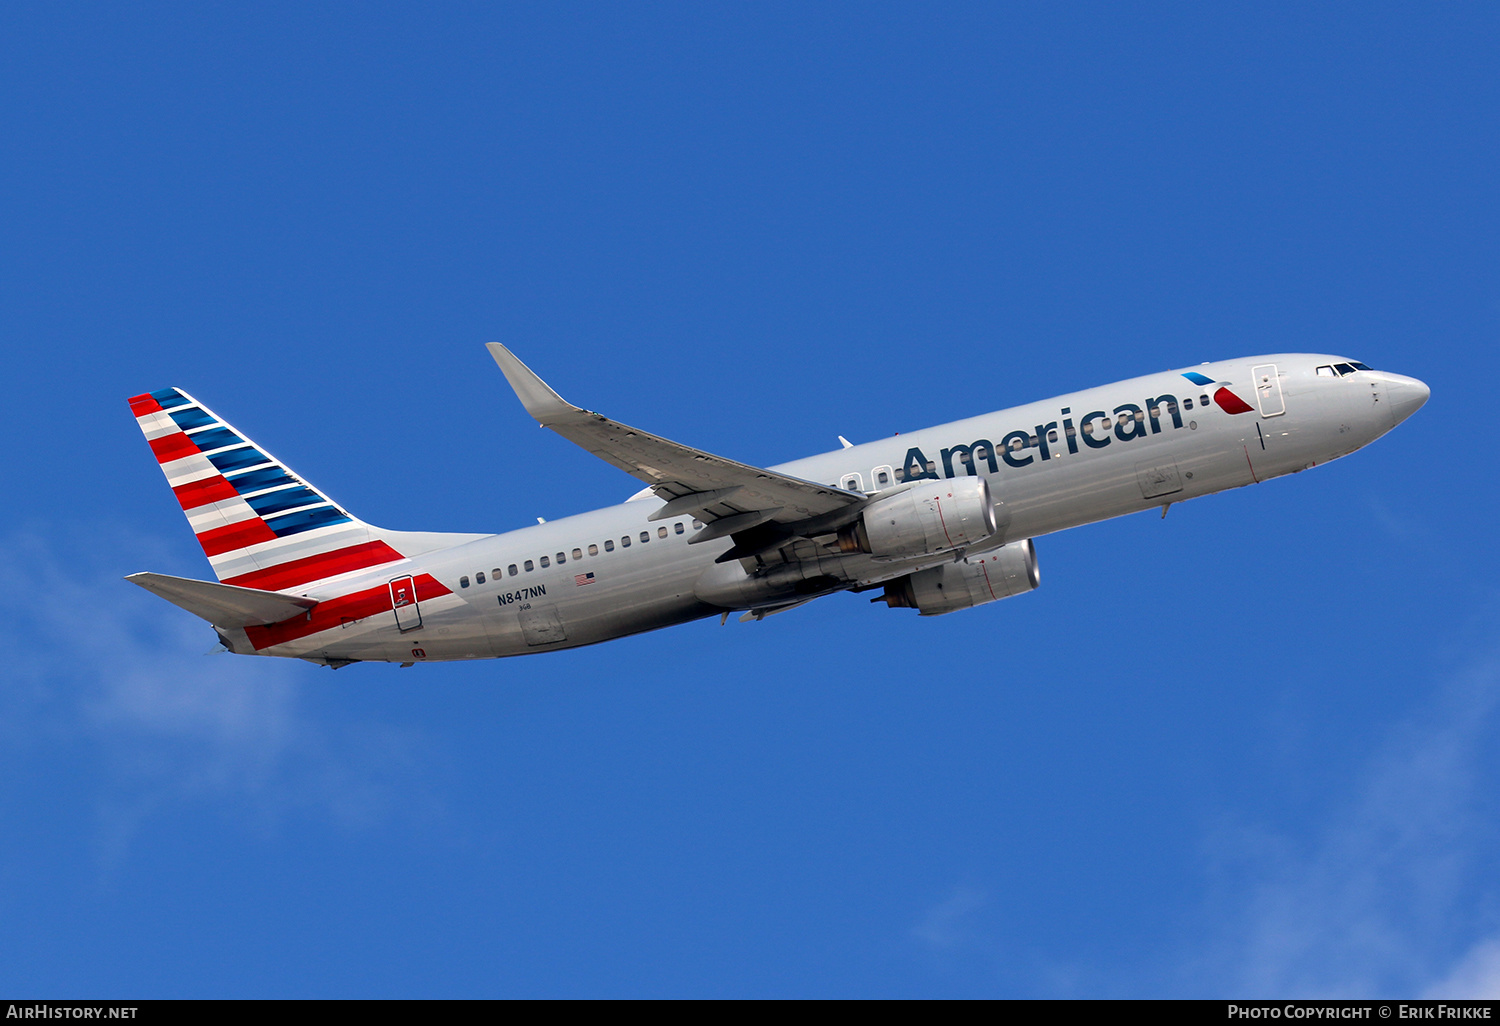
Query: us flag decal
[(582, 579)]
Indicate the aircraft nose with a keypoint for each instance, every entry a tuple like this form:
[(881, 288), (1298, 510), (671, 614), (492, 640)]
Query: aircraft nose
[(1407, 395)]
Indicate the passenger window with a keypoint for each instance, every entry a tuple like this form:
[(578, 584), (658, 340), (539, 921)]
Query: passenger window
[(562, 557), (1052, 435), (577, 555), (593, 550), (1104, 424), (677, 527), (882, 476), (661, 532), (982, 453), (1071, 434), (1203, 400), (609, 545), (529, 565), (645, 537), (512, 570), (479, 577), (1140, 417), (1015, 445), (496, 574), (625, 542), (546, 562), (852, 483), (901, 474), (1187, 404), (1088, 427), (463, 582), (697, 524)]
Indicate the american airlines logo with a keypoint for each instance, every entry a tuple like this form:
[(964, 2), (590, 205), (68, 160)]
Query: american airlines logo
[(1100, 428), (1227, 400)]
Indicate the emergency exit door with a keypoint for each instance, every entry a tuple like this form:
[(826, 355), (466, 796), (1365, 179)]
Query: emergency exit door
[(404, 603)]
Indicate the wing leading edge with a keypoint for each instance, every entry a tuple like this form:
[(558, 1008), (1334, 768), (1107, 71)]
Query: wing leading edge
[(760, 508)]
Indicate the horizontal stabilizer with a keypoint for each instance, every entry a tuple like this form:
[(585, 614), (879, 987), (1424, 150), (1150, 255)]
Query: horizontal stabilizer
[(224, 605)]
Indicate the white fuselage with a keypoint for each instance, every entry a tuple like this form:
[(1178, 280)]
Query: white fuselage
[(1050, 465)]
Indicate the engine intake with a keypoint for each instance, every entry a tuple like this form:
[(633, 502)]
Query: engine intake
[(987, 577), (923, 518)]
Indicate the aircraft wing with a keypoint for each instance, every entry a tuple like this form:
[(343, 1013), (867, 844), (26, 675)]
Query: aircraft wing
[(730, 497)]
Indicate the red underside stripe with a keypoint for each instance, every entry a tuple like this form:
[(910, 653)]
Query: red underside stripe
[(173, 447), (333, 613), (235, 536), (201, 493), (315, 568), (140, 405)]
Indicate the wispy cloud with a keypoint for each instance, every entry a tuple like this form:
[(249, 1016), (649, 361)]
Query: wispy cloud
[(1386, 897), (950, 924), (105, 669), (1475, 978)]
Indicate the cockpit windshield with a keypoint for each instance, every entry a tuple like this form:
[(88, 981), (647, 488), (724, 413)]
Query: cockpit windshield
[(1339, 370)]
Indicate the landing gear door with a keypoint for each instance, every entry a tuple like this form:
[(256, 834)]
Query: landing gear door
[(404, 603), (1268, 390)]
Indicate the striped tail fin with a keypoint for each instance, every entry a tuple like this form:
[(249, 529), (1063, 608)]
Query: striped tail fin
[(260, 525)]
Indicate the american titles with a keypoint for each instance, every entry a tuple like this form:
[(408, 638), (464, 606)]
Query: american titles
[(1095, 430)]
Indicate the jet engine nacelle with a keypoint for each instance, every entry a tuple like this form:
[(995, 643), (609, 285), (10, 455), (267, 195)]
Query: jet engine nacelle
[(973, 581), (923, 518)]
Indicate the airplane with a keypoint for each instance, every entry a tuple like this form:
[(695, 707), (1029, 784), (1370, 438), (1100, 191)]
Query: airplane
[(937, 520)]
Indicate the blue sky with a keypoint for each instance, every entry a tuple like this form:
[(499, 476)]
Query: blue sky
[(1247, 750)]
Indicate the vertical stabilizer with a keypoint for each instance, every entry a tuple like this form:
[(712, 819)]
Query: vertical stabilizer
[(260, 525)]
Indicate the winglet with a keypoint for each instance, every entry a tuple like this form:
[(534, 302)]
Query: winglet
[(540, 401)]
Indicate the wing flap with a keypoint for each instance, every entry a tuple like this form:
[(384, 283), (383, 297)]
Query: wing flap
[(224, 605), (693, 502), (733, 525)]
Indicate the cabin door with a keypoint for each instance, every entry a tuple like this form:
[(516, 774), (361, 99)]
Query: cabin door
[(1268, 390)]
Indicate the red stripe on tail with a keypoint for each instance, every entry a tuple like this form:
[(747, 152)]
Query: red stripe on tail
[(201, 493), (235, 536), (315, 568), (140, 405), (173, 447)]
